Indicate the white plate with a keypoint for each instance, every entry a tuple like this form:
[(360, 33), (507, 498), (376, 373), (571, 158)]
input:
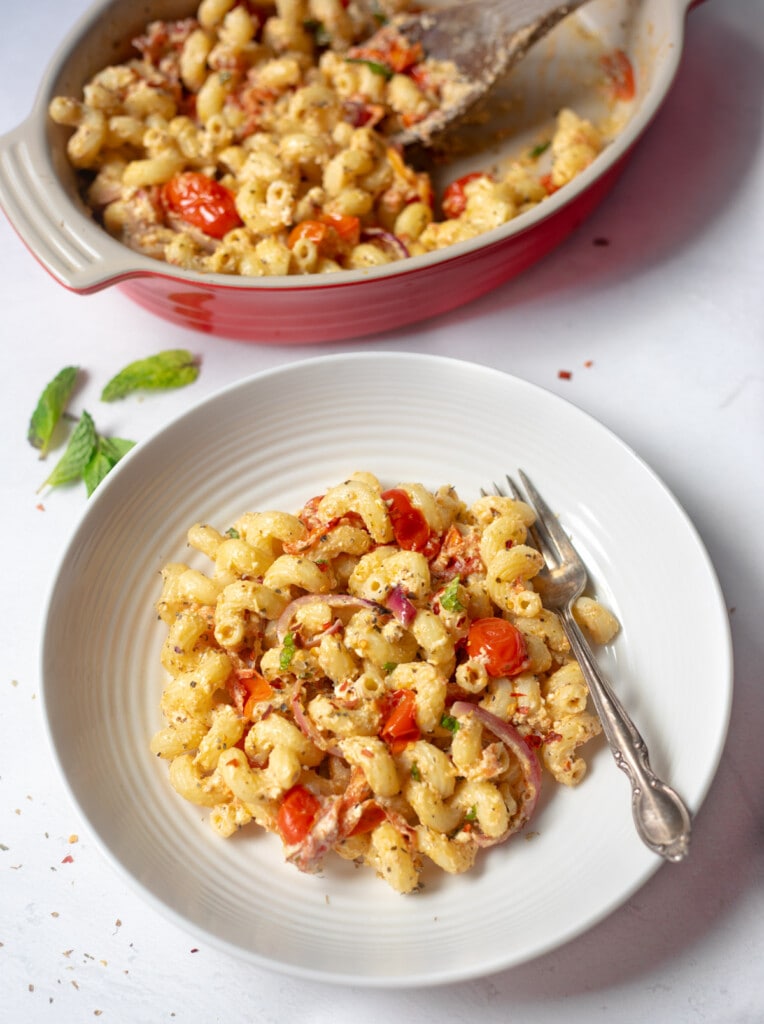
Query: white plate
[(270, 442)]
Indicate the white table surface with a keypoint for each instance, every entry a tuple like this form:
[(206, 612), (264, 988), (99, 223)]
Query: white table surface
[(671, 316)]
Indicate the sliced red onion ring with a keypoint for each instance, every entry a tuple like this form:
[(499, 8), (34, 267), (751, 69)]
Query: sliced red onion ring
[(334, 627), (515, 743), (401, 607), (333, 600), (307, 728), (388, 239)]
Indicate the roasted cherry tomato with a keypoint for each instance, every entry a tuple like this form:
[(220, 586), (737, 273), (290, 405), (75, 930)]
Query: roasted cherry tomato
[(411, 529), (454, 197), (371, 816), (499, 645), (202, 202), (330, 233), (297, 813), (399, 727), (246, 688)]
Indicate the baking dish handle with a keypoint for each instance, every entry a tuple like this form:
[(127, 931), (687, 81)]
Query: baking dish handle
[(80, 255)]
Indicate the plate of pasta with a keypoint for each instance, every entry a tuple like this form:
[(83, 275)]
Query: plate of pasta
[(328, 687)]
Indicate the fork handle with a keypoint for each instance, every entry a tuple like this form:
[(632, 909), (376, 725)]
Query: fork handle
[(661, 816)]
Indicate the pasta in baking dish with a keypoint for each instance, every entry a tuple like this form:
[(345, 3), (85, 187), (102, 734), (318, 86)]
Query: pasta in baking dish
[(374, 676), (254, 140)]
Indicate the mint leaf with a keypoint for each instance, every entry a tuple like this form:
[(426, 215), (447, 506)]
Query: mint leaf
[(80, 450), (172, 368), (50, 406), (115, 447), (109, 450)]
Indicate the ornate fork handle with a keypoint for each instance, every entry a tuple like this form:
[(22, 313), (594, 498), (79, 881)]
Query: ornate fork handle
[(660, 815)]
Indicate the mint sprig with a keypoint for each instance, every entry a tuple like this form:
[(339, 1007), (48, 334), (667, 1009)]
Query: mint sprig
[(50, 408), (172, 368), (89, 456)]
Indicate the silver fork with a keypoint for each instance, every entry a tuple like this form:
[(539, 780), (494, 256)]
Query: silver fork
[(660, 815)]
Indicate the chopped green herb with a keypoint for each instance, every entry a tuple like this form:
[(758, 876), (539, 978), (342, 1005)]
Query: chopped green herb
[(232, 533), (450, 723), (416, 775), (172, 368), (542, 147), (49, 409), (471, 814), (373, 65), (449, 599), (287, 652), (80, 450), (389, 666)]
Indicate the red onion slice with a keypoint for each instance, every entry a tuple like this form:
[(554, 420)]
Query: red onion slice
[(388, 239), (335, 627), (308, 729), (401, 607), (515, 743), (333, 600)]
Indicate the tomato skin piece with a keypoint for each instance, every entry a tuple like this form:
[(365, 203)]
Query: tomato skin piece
[(499, 645), (620, 74), (454, 198), (202, 202), (400, 727), (411, 529), (297, 813)]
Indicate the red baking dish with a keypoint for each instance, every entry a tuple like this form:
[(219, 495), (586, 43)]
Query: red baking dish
[(39, 193)]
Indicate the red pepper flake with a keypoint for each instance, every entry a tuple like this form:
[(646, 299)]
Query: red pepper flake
[(564, 374), (68, 859), (40, 507), (588, 363), (195, 949)]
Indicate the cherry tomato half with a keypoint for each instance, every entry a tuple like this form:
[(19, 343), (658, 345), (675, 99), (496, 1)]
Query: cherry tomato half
[(499, 644), (411, 529), (399, 727), (371, 816), (454, 197), (246, 688), (331, 233), (202, 202), (297, 813)]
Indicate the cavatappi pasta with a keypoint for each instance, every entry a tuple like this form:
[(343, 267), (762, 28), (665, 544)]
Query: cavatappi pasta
[(253, 140), (374, 676)]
